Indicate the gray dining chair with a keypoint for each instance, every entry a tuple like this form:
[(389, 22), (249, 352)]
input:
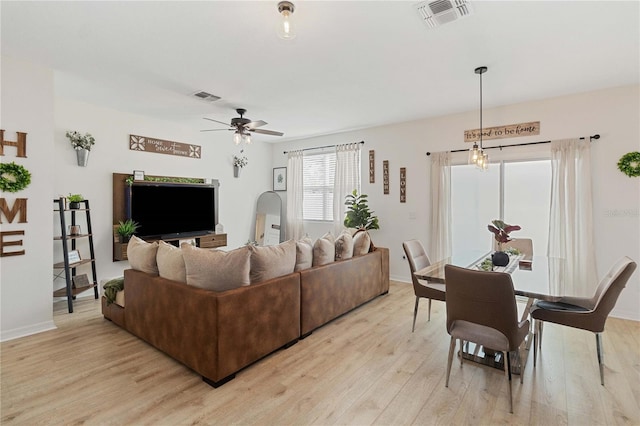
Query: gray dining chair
[(586, 313), (481, 308), (418, 259)]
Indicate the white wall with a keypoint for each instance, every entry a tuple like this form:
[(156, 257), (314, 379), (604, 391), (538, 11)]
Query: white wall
[(612, 113), (25, 281)]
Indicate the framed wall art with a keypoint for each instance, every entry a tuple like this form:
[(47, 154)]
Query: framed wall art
[(280, 179)]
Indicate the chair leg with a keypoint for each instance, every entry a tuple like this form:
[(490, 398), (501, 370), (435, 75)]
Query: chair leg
[(540, 326), (508, 371), (452, 347), (462, 351), (429, 313), (415, 314), (536, 337), (520, 364), (600, 356)]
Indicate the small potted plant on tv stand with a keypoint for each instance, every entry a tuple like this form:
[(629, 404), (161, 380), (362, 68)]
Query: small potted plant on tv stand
[(126, 229)]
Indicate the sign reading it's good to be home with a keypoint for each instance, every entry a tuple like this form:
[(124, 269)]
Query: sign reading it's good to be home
[(143, 143), (501, 132)]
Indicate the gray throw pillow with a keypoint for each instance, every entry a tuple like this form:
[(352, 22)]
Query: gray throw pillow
[(272, 261), (216, 269), (304, 254), (344, 246), (171, 263), (324, 250), (142, 255)]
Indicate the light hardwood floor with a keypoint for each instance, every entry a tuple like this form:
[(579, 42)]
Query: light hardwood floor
[(363, 368)]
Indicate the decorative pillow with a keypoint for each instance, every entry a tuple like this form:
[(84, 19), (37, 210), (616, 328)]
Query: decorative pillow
[(272, 261), (361, 243), (304, 254), (142, 255), (171, 263), (344, 246), (216, 269), (324, 250)]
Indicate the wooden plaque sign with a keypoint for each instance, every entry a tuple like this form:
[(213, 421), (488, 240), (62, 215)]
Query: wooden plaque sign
[(372, 166), (385, 176), (143, 143), (403, 184), (502, 132)]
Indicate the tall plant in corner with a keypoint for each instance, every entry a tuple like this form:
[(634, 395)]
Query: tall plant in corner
[(358, 214)]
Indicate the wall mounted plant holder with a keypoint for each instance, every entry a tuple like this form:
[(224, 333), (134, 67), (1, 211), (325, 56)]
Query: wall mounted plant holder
[(83, 157)]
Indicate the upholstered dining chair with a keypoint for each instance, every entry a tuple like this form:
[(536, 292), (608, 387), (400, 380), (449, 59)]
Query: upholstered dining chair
[(418, 259), (588, 313), (524, 245), (481, 308)]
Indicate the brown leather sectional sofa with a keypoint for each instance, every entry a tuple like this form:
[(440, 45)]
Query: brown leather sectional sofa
[(217, 334)]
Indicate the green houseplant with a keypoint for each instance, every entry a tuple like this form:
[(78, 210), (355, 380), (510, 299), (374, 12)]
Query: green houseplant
[(74, 200), (126, 229), (358, 214)]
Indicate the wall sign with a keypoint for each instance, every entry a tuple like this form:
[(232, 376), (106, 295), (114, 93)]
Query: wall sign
[(385, 176), (14, 178), (372, 166), (160, 146), (502, 132), (403, 184)]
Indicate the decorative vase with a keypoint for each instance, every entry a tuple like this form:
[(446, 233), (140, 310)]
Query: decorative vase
[(500, 258), (236, 171), (83, 157)]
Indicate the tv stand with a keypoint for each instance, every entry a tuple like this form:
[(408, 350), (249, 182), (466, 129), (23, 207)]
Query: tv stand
[(202, 240)]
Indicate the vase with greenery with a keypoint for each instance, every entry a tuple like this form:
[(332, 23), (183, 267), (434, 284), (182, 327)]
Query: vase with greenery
[(358, 214), (501, 231), (238, 163), (126, 229), (82, 144), (74, 201)]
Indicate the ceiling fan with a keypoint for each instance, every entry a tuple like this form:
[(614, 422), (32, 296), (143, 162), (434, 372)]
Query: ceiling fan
[(243, 127)]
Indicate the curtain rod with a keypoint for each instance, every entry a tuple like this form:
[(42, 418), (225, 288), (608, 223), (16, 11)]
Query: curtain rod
[(596, 137), (319, 147)]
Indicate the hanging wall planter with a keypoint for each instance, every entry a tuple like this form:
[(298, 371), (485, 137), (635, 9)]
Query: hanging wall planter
[(236, 171), (83, 157), (82, 145)]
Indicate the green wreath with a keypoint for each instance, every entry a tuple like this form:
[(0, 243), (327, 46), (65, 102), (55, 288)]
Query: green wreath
[(629, 164), (13, 177)]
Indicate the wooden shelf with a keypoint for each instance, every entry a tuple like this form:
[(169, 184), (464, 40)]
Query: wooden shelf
[(71, 237), (62, 292), (60, 265)]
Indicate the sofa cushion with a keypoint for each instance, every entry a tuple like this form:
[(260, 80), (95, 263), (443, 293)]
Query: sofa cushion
[(171, 263), (344, 246), (216, 269), (361, 243), (304, 254), (324, 250), (142, 255), (272, 261)]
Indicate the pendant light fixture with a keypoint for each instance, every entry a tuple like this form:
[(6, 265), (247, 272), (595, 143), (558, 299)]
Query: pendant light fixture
[(286, 28), (476, 155)]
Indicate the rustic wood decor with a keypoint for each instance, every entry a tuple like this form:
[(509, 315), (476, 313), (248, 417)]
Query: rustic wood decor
[(501, 132), (81, 281), (144, 143), (385, 176), (14, 177), (20, 144), (403, 184), (372, 166)]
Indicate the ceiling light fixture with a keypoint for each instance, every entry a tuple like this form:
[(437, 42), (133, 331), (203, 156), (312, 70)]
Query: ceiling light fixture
[(286, 29), (476, 155)]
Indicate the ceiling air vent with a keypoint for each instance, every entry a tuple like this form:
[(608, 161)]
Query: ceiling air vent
[(439, 12), (205, 96)]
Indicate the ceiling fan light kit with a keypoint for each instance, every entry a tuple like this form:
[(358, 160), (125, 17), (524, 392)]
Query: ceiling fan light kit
[(286, 29), (243, 127)]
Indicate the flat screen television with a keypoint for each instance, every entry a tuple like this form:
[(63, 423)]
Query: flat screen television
[(172, 210)]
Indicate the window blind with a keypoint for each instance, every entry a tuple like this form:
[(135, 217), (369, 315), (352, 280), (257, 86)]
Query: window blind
[(318, 177)]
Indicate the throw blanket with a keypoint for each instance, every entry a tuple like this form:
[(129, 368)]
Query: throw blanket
[(112, 287)]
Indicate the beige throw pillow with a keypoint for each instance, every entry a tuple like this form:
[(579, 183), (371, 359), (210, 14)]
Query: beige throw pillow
[(272, 261), (304, 254), (216, 269), (142, 255), (344, 246), (361, 243), (171, 263), (324, 250)]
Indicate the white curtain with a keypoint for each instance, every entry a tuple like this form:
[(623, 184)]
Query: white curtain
[(440, 244), (295, 195), (347, 178), (570, 219)]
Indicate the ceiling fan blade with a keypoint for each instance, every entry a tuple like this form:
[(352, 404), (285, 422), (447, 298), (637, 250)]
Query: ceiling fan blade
[(254, 124), (216, 121), (266, 132), (214, 130)]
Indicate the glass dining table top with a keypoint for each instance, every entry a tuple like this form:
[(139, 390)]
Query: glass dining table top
[(538, 277)]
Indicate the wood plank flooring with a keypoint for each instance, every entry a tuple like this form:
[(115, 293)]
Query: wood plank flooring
[(364, 368)]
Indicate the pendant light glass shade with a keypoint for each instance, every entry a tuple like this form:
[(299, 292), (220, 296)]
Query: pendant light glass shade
[(286, 29), (476, 155), (237, 137)]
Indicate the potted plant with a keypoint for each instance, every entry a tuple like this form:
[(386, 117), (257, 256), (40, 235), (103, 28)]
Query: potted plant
[(74, 201), (126, 229), (358, 214), (238, 163), (82, 144), (501, 233)]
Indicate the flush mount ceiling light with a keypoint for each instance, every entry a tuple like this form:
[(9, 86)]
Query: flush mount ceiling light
[(476, 155), (286, 29)]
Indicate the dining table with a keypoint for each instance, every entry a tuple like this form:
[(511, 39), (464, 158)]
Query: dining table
[(534, 278)]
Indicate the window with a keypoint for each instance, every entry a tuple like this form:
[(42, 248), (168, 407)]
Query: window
[(519, 192), (318, 177)]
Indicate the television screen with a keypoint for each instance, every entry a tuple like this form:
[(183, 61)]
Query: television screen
[(173, 210)]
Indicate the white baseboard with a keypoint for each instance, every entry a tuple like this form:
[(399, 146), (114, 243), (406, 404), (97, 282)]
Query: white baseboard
[(27, 330)]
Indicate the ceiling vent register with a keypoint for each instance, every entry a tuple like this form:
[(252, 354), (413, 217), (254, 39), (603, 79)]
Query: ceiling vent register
[(205, 96), (439, 12)]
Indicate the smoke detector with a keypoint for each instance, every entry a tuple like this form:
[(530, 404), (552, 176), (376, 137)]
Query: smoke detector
[(438, 12), (206, 96)]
